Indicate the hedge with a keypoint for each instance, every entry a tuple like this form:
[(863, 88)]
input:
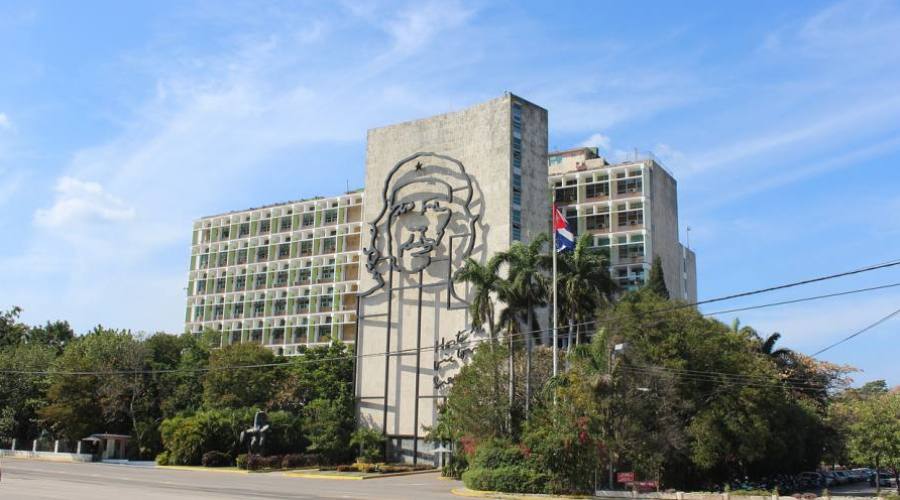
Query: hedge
[(508, 478)]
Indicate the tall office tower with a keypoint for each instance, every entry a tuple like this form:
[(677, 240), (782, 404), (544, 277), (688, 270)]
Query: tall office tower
[(282, 275), (631, 209), (438, 191)]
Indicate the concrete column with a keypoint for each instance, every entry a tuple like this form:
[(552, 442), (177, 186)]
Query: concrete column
[(14, 444), (56, 446), (34, 446), (78, 448)]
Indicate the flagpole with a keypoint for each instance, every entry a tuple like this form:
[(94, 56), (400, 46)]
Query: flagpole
[(555, 309)]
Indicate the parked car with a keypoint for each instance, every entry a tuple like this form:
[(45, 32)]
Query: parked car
[(830, 479), (810, 480), (841, 477), (885, 478)]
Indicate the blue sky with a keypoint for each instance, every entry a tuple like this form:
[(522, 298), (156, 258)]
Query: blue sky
[(121, 122)]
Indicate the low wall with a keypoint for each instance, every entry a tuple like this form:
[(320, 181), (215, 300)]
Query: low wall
[(47, 455), (704, 496)]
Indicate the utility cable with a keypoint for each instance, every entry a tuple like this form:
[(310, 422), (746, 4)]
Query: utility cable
[(856, 334)]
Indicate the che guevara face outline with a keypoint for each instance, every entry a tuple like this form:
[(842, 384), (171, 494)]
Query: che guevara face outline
[(411, 228)]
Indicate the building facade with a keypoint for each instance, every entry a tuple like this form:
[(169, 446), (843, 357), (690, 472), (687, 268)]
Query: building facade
[(282, 275), (375, 266), (439, 191), (631, 209)]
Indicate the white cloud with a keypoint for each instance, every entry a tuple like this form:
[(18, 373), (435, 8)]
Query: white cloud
[(78, 202), (5, 123), (599, 140)]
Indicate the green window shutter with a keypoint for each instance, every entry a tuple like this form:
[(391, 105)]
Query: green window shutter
[(294, 249), (229, 283)]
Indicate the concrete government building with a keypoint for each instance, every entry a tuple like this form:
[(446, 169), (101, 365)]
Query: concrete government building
[(373, 267)]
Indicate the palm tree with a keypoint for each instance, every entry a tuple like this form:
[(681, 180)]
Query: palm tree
[(485, 280), (583, 284), (523, 292)]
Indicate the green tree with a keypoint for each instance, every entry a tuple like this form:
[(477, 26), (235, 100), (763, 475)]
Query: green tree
[(23, 394), (227, 385), (12, 331), (56, 334), (321, 372), (485, 280), (656, 282), (874, 434), (523, 292), (81, 402), (583, 285)]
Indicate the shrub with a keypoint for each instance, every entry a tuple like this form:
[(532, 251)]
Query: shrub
[(496, 453), (259, 462), (508, 478), (300, 460), (188, 437), (163, 458), (456, 465), (369, 442), (242, 461), (215, 459)]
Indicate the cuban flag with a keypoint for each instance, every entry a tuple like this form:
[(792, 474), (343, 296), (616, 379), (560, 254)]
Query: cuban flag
[(565, 240)]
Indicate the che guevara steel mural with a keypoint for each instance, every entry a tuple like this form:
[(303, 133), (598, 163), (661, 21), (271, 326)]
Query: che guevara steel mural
[(425, 225)]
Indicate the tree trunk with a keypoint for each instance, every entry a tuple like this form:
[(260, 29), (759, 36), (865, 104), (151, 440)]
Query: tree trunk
[(512, 378), (529, 342)]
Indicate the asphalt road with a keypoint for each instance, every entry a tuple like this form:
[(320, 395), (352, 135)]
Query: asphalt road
[(32, 480)]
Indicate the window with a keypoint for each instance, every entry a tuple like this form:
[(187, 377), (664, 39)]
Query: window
[(262, 253), (566, 195), (628, 186), (238, 311), (303, 276), (302, 305), (201, 287), (631, 218), (331, 216), (281, 279), (327, 274), (204, 261), (265, 226), (218, 311), (308, 220), (572, 219), (280, 307), (226, 231), (595, 222), (285, 224), (259, 308), (244, 229), (220, 285), (240, 283), (284, 250), (596, 190), (260, 281), (517, 196), (326, 302), (223, 258), (242, 256), (306, 247), (329, 245)]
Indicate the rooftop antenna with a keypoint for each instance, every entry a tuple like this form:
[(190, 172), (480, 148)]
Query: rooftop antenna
[(348, 185)]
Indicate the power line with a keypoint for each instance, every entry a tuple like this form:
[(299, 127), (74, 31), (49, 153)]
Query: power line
[(518, 334), (855, 334), (804, 299)]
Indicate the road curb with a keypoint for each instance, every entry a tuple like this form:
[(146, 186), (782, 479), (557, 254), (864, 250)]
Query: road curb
[(200, 469), (359, 478), (466, 492)]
